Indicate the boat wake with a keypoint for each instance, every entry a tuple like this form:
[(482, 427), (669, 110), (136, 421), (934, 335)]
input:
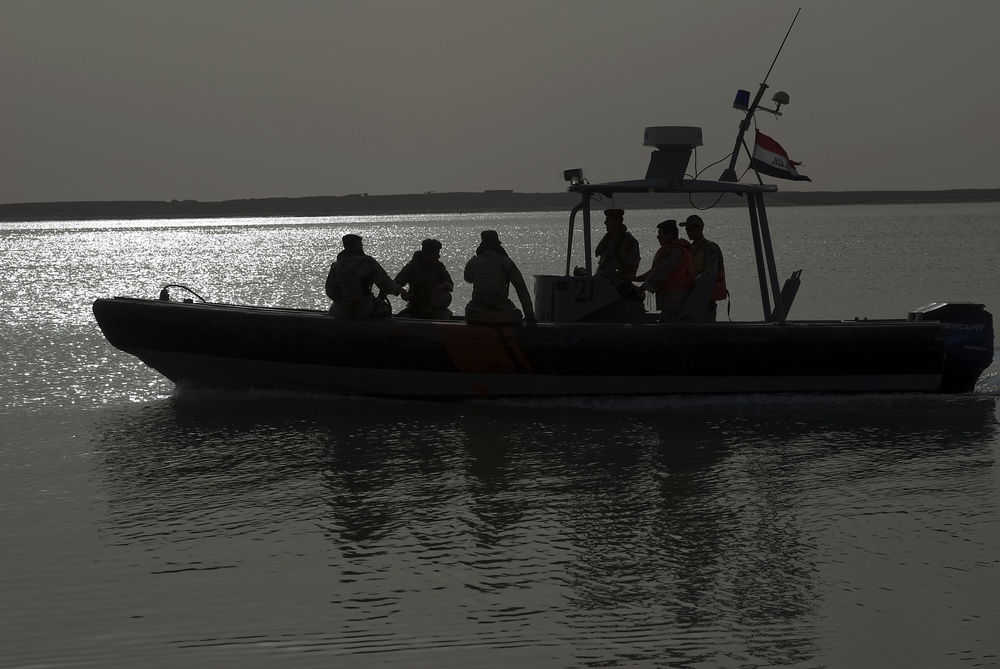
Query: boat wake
[(989, 384), (987, 387), (990, 388)]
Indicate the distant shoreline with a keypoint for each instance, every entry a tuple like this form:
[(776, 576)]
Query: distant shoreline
[(450, 203)]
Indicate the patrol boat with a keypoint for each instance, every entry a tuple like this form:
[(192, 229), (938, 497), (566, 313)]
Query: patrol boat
[(592, 336)]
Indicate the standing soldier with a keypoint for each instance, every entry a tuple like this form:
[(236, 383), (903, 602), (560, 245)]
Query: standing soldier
[(618, 249), (672, 274), (707, 257), (349, 283)]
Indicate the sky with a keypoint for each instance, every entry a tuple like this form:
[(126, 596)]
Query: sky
[(229, 99)]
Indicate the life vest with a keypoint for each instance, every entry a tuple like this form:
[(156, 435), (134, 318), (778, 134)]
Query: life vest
[(682, 275), (719, 291), (488, 274), (350, 280), (420, 283), (423, 277)]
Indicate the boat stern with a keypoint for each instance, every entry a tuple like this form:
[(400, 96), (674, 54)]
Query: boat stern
[(968, 341)]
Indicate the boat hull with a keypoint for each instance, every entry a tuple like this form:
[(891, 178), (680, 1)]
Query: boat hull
[(226, 345)]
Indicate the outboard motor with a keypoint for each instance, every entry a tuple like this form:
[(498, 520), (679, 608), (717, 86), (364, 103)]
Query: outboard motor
[(968, 341)]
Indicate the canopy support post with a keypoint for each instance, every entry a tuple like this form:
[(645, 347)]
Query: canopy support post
[(758, 252), (779, 308), (572, 222)]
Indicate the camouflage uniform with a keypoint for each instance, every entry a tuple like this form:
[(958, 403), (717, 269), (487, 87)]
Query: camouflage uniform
[(349, 285), (423, 278), (618, 251), (707, 257), (491, 274)]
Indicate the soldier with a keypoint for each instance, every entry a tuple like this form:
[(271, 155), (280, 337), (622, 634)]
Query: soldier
[(707, 257), (672, 274), (429, 281), (349, 284), (491, 273), (618, 249)]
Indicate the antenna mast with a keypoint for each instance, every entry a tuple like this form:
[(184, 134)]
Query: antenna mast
[(730, 173)]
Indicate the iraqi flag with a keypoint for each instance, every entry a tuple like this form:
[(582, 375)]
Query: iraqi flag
[(769, 158)]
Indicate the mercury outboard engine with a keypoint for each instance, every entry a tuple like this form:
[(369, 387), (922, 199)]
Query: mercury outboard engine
[(968, 341)]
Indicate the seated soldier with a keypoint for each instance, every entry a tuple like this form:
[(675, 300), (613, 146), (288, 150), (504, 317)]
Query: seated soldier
[(349, 284), (429, 281), (491, 273)]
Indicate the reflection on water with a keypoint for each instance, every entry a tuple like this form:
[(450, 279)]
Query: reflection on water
[(688, 532), (145, 527)]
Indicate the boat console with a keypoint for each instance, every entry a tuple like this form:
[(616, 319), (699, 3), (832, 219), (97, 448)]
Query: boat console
[(584, 298)]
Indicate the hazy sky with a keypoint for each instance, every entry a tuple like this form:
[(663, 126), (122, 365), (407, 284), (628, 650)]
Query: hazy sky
[(222, 99)]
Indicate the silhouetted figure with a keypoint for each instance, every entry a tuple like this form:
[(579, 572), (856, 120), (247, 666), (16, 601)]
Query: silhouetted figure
[(491, 273), (429, 282), (672, 274), (707, 257), (618, 249), (349, 284)]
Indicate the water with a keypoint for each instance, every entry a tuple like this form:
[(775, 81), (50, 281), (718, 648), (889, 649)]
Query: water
[(155, 528)]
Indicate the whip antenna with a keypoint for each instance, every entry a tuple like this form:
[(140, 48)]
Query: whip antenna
[(743, 97), (782, 44)]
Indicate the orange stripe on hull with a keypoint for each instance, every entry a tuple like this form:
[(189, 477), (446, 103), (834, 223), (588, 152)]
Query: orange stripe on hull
[(515, 348), (478, 348)]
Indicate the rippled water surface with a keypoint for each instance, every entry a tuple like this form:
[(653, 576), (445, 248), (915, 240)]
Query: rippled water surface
[(146, 526)]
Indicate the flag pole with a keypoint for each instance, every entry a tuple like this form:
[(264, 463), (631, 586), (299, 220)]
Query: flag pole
[(730, 173)]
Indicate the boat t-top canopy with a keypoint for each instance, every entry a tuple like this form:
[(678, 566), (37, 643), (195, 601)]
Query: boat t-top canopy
[(665, 174), (672, 186)]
